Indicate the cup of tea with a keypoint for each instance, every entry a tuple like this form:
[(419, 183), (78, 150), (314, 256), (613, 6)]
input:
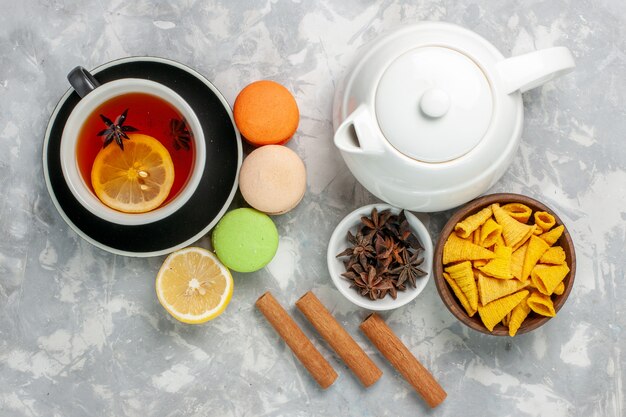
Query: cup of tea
[(132, 150)]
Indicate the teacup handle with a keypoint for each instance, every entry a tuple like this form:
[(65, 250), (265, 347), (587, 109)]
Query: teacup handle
[(82, 81), (525, 72)]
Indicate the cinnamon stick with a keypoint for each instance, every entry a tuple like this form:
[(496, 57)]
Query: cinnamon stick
[(403, 360), (338, 338), (297, 341)]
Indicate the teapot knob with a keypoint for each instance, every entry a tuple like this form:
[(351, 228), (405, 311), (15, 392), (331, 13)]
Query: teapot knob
[(435, 103)]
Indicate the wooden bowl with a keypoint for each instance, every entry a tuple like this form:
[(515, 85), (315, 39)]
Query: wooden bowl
[(445, 292)]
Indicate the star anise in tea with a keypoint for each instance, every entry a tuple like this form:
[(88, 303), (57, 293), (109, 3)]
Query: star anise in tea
[(115, 131), (180, 134), (384, 256)]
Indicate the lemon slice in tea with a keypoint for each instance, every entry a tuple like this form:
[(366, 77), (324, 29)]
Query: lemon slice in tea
[(193, 286), (134, 180)]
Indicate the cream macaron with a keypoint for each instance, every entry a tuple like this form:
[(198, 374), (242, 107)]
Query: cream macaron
[(273, 179)]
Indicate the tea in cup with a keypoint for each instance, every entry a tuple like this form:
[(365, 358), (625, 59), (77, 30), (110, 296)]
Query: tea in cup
[(132, 150)]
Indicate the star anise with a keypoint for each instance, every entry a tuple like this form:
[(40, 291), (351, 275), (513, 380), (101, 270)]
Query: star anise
[(401, 230), (115, 131), (376, 223), (383, 257), (353, 270), (371, 284), (393, 291), (387, 250), (180, 134), (409, 270), (353, 264), (360, 250)]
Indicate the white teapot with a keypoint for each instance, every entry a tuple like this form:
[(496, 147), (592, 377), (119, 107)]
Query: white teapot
[(430, 115)]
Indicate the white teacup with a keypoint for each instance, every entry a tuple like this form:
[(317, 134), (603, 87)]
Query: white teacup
[(95, 94)]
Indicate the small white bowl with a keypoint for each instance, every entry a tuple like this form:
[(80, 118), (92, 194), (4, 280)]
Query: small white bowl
[(339, 242)]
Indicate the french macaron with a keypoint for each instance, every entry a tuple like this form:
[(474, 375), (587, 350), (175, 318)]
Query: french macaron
[(245, 240), (266, 113), (272, 179)]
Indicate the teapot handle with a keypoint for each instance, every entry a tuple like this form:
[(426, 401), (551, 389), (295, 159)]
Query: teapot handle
[(525, 72), (357, 135)]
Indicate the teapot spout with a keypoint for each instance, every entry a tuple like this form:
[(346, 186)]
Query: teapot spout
[(525, 72), (357, 135)]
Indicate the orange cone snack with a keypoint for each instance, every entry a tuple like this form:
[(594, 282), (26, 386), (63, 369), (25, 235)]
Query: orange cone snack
[(460, 295), (518, 211), (536, 248), (463, 275), (546, 278), (494, 312), (544, 220), (514, 232), (473, 222), (490, 232), (518, 315), (490, 289), (500, 266), (553, 235), (553, 256), (517, 261), (457, 249), (541, 304), (560, 289)]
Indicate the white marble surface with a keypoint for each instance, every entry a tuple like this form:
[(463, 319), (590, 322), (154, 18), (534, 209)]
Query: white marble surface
[(82, 333)]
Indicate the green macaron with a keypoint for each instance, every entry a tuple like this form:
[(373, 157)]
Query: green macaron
[(245, 240)]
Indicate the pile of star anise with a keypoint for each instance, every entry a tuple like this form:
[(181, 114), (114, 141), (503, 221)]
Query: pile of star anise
[(384, 257)]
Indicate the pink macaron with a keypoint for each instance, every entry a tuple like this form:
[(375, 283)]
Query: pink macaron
[(273, 179)]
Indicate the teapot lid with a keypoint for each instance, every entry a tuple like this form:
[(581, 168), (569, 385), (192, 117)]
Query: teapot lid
[(433, 104)]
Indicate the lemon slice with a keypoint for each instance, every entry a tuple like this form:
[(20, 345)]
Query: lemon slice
[(134, 180), (193, 286)]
